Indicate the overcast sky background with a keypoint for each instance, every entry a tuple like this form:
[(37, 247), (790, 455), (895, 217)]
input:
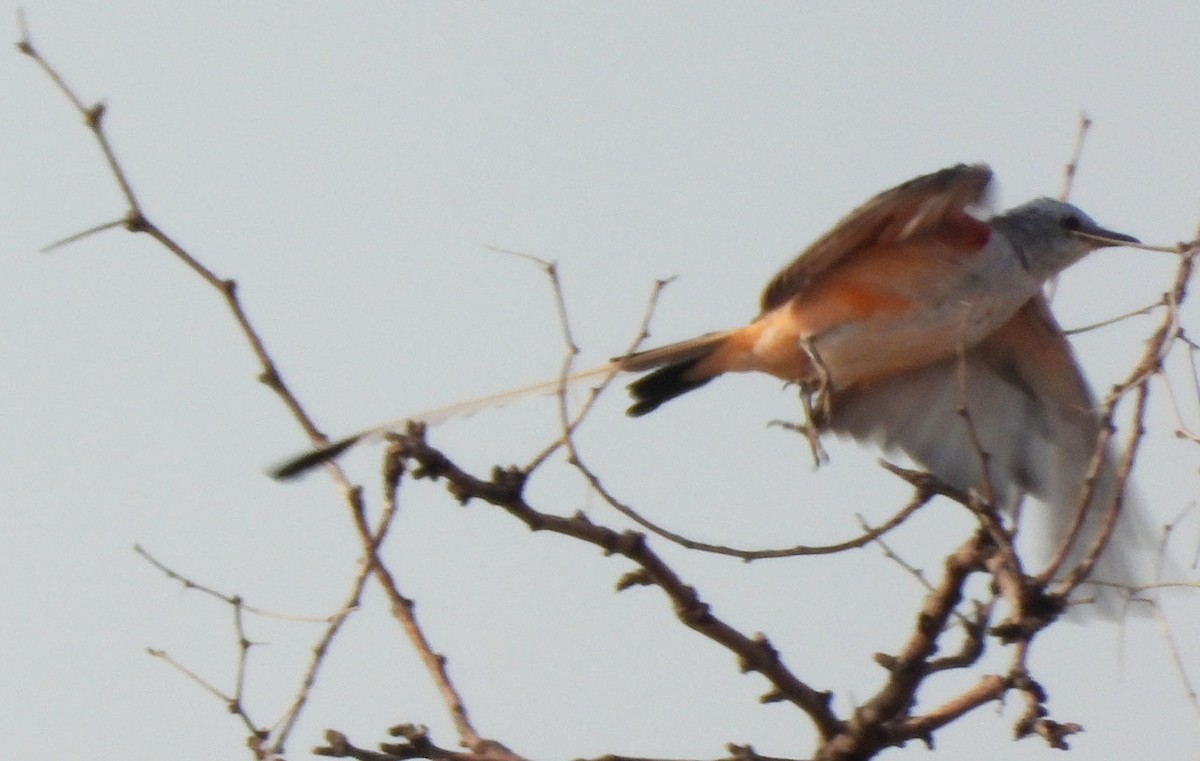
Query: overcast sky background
[(348, 164)]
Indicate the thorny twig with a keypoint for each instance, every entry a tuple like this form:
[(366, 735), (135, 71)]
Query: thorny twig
[(232, 702), (191, 584), (569, 423), (135, 220), (1150, 364), (504, 490)]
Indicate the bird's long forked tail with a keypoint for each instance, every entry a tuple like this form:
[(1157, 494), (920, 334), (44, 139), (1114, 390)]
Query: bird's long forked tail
[(672, 376), (677, 370), (301, 464)]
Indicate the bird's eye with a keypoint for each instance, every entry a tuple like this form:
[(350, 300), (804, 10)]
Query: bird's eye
[(1072, 222)]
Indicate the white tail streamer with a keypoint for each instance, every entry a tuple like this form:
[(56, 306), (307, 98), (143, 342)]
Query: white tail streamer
[(301, 464)]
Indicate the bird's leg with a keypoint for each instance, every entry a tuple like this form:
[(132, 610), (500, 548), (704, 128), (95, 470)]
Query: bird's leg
[(816, 389), (814, 398)]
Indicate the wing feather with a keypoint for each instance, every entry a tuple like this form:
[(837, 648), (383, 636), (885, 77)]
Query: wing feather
[(931, 204), (1035, 418)]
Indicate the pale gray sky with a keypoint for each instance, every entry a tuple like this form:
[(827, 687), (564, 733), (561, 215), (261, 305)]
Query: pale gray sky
[(348, 164)]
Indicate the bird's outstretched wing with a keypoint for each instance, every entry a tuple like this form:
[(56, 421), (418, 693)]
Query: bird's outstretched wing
[(1034, 417), (932, 204)]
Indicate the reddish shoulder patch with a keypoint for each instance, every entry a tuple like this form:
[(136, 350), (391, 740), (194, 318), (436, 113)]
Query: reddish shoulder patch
[(963, 231)]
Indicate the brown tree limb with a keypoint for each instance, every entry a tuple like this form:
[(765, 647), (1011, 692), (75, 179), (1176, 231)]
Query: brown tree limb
[(504, 490)]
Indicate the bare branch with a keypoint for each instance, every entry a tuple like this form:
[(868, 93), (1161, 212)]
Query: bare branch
[(415, 744), (504, 491), (1072, 166), (870, 534), (136, 221), (232, 702), (1119, 318), (1149, 364), (228, 599), (568, 423)]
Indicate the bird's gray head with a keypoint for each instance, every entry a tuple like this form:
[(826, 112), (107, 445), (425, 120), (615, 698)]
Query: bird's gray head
[(1050, 235)]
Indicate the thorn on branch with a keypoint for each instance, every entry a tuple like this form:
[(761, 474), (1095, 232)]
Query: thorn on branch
[(740, 752), (462, 491), (637, 578), (765, 645), (766, 652), (770, 696), (93, 116), (269, 377)]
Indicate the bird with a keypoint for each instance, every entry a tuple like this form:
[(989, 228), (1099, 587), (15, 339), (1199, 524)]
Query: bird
[(910, 310)]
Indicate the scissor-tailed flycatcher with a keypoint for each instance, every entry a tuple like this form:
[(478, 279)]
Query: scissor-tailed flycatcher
[(906, 310)]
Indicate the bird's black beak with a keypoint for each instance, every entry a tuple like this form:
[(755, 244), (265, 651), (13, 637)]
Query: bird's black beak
[(1103, 238)]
